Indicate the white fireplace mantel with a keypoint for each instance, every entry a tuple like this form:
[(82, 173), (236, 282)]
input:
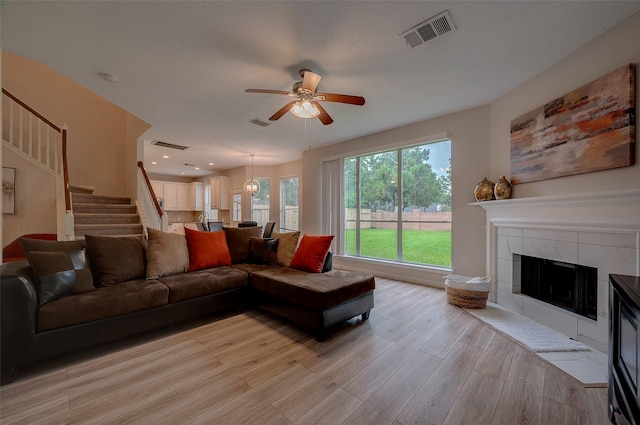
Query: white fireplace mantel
[(600, 230)]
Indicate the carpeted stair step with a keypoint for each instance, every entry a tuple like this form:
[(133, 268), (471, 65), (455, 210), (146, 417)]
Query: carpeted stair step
[(107, 229), (81, 189), (104, 209), (116, 218), (83, 198)]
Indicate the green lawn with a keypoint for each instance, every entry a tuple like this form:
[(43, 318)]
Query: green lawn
[(432, 247)]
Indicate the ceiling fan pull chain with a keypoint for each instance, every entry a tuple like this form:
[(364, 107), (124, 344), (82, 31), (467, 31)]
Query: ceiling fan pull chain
[(307, 131)]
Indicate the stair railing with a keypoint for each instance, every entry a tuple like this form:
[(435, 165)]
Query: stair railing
[(151, 214), (33, 136)]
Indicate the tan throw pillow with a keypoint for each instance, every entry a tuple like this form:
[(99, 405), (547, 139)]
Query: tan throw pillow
[(84, 279), (167, 254), (238, 241), (286, 247), (116, 259)]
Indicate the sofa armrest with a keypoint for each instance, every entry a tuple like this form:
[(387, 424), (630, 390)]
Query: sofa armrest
[(18, 309)]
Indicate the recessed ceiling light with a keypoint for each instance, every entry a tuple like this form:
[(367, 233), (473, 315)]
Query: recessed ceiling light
[(165, 156), (182, 173), (154, 163), (197, 168), (211, 163)]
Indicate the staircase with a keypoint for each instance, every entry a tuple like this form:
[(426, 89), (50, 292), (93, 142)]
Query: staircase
[(104, 215)]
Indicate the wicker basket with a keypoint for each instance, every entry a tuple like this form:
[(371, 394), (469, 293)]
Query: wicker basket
[(466, 295)]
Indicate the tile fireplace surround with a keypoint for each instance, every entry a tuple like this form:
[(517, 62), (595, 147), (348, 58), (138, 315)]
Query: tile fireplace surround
[(599, 230)]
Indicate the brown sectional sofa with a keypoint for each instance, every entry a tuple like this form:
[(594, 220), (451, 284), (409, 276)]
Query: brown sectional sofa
[(31, 332)]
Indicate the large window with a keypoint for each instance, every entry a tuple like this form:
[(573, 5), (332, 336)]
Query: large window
[(260, 203), (398, 205), (236, 198), (289, 208)]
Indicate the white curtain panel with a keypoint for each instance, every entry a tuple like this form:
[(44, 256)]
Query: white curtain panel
[(333, 203)]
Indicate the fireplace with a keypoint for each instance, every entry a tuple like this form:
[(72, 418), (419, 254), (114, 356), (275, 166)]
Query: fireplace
[(598, 231), (572, 287)]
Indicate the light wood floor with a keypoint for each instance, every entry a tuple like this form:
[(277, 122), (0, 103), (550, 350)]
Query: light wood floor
[(417, 360)]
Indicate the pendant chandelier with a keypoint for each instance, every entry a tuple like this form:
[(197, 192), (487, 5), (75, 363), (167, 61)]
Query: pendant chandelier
[(252, 186)]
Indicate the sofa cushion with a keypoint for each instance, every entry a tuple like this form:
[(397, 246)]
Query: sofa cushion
[(167, 253), (203, 282), (110, 301), (311, 253), (207, 249), (81, 263), (252, 268), (116, 259), (316, 291), (263, 251), (286, 246), (238, 241)]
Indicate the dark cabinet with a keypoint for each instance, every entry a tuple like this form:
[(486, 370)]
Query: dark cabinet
[(624, 349)]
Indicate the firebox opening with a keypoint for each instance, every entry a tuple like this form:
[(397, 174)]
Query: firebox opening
[(569, 286)]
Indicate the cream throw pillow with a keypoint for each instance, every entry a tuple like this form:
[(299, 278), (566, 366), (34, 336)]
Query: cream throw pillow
[(286, 247)]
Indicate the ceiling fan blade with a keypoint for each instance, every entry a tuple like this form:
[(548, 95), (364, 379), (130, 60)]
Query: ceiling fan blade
[(323, 116), (310, 82), (341, 98), (282, 111), (266, 91)]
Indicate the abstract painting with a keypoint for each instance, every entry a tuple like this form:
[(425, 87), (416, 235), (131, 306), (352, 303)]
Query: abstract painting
[(590, 129), (8, 190)]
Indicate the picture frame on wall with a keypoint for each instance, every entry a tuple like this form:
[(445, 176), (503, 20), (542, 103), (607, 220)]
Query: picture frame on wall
[(589, 129), (8, 190)]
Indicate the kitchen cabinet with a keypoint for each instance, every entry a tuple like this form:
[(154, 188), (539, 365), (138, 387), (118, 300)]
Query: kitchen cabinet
[(170, 196), (158, 189), (220, 187), (182, 197), (174, 196), (196, 196)]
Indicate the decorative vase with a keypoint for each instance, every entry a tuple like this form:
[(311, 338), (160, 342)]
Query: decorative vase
[(502, 189), (484, 190)]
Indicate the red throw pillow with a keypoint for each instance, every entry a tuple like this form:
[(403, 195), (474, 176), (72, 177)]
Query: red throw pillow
[(207, 249), (311, 253)]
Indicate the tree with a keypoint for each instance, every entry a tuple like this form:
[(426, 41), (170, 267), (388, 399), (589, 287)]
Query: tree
[(420, 185), (378, 181), (445, 182)]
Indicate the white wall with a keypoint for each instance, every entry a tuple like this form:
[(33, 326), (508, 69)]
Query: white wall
[(33, 214), (610, 51), (469, 133)]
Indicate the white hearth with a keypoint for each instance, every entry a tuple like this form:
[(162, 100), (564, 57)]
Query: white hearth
[(599, 230)]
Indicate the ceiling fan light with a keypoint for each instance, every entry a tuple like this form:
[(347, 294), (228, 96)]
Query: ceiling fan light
[(305, 109)]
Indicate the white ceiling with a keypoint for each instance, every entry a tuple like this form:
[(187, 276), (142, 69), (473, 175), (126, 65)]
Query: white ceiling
[(183, 66)]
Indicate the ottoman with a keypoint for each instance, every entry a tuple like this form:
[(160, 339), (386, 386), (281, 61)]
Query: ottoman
[(315, 300)]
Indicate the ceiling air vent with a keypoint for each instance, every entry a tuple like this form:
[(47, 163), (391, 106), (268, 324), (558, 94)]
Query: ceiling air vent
[(434, 27), (169, 145), (257, 121)]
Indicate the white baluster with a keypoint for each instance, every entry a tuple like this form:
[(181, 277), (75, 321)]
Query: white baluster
[(30, 133), (48, 154), (11, 122), (20, 143)]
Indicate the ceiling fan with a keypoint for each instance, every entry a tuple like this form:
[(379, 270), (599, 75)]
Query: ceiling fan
[(306, 103)]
